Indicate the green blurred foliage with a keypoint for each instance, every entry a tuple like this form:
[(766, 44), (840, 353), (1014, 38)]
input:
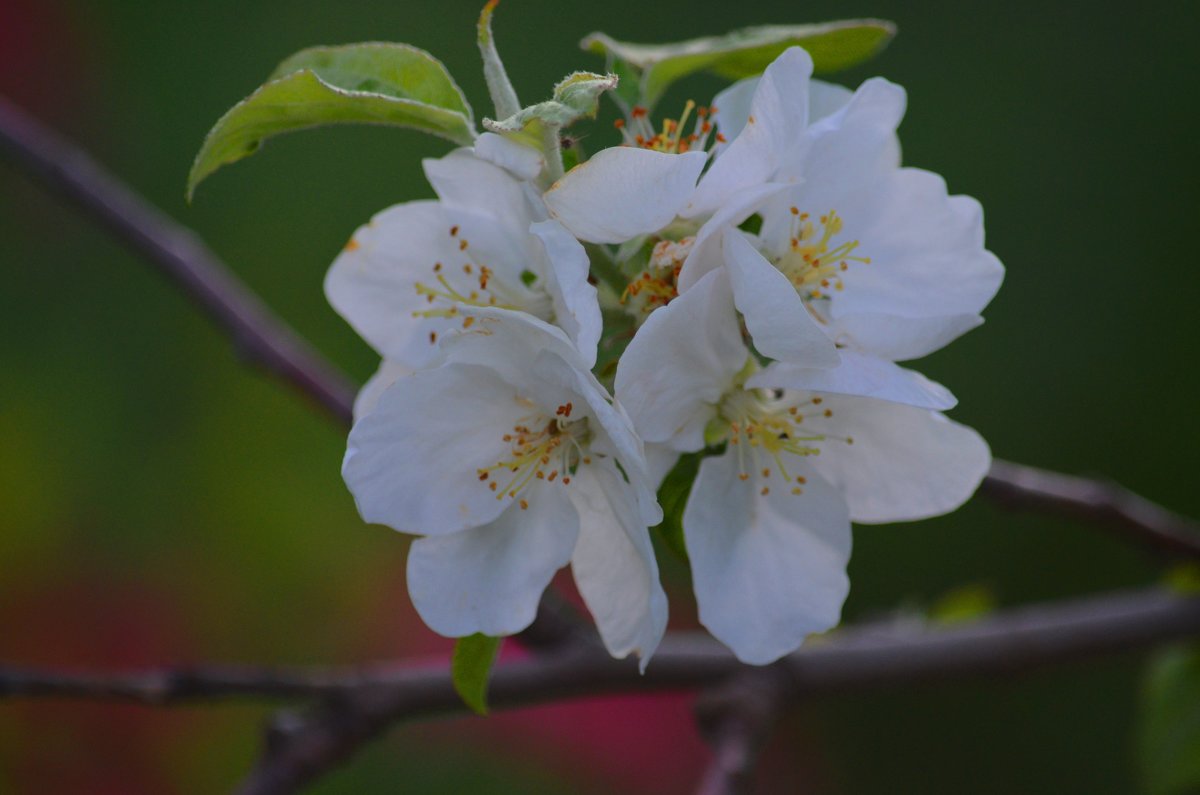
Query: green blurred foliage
[(1169, 741), (160, 502)]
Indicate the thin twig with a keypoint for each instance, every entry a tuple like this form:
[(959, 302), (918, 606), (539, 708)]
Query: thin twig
[(855, 659), (177, 253), (736, 717), (1135, 518)]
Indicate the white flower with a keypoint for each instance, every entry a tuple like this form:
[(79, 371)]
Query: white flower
[(511, 461), (854, 254), (404, 279), (767, 523)]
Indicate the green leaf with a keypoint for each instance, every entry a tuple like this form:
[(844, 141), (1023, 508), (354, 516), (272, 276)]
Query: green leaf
[(963, 605), (672, 496), (745, 52), (1169, 737), (371, 83), (577, 96), (470, 667)]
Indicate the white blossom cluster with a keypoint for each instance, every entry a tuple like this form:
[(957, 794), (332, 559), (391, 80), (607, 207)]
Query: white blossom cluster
[(742, 292)]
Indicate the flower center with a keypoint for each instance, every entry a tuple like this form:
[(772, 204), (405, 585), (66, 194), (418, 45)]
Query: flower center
[(812, 262), (475, 284), (637, 130), (656, 286), (768, 427), (540, 447)]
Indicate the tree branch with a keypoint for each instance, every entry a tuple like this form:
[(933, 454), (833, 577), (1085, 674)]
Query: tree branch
[(178, 254), (736, 718), (1133, 517)]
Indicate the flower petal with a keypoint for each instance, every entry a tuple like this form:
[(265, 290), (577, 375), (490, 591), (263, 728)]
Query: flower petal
[(412, 463), (776, 122), (733, 104), (680, 363), (614, 564), (373, 282), (770, 569), (901, 338), (463, 180), (523, 162), (861, 375), (905, 462), (576, 306), (775, 314), (707, 251), (489, 579), (371, 391), (623, 192)]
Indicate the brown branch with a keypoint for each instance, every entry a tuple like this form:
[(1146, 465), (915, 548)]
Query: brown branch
[(178, 254), (736, 718), (1133, 517), (854, 659)]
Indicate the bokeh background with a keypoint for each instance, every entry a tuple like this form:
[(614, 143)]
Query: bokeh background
[(161, 503)]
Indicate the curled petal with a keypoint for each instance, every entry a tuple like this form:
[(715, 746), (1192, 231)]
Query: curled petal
[(775, 314), (576, 307), (776, 121), (614, 564), (860, 375)]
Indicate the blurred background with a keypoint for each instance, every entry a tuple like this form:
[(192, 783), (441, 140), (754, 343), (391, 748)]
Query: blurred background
[(160, 503)]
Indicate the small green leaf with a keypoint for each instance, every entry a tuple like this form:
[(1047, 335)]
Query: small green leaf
[(672, 496), (963, 605), (371, 83), (577, 96), (745, 52), (470, 667), (1169, 737)]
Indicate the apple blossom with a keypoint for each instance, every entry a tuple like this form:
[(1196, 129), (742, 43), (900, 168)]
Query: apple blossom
[(854, 253), (767, 523), (404, 279), (509, 459)]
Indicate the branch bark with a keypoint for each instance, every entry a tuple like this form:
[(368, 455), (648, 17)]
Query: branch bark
[(1109, 505), (176, 252)]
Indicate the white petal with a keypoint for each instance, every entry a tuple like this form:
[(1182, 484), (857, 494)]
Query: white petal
[(905, 463), (508, 341), (768, 570), (733, 104), (733, 108), (372, 283), (861, 375), (614, 564), (463, 180), (681, 363), (776, 122), (660, 460), (576, 306), (622, 192), (489, 579), (707, 251), (926, 250), (371, 391), (775, 314), (412, 463), (901, 338), (523, 162), (825, 99)]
